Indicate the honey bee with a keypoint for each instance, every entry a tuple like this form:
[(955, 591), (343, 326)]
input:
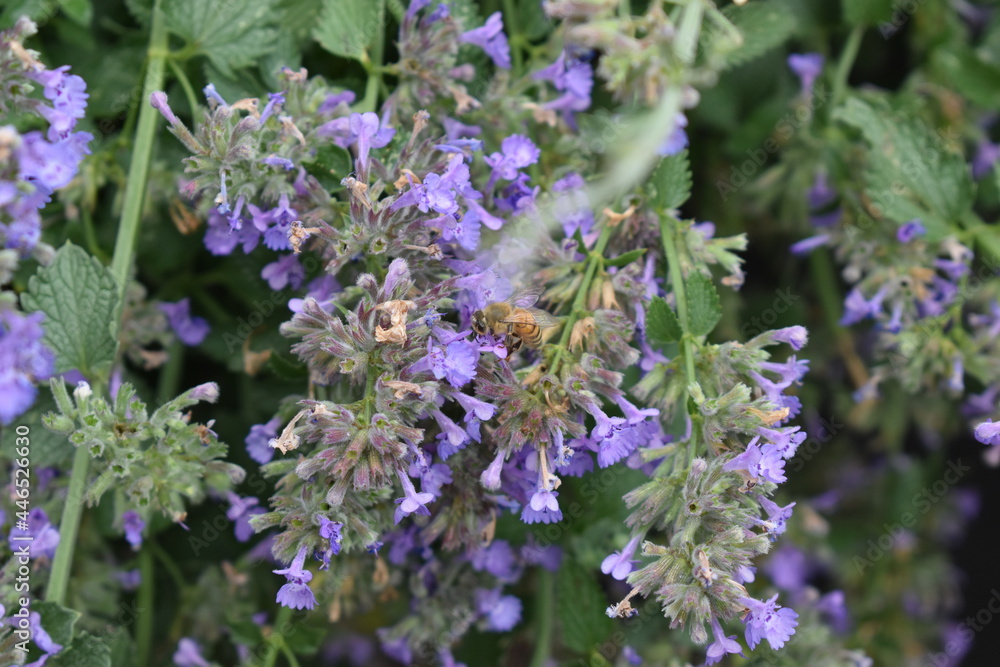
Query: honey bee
[(515, 320)]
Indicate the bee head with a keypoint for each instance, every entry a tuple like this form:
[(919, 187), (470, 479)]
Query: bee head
[(479, 322)]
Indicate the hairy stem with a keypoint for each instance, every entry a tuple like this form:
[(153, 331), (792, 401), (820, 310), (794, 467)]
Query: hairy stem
[(69, 525), (145, 603), (546, 602), (847, 57), (277, 639)]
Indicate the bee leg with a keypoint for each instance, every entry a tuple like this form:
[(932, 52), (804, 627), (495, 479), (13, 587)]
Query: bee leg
[(513, 344)]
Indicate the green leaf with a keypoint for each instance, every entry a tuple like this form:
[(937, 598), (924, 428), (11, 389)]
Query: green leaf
[(230, 34), (704, 309), (80, 11), (969, 74), (329, 166), (48, 449), (867, 12), (912, 171), (662, 325), (671, 181), (79, 297), (625, 258), (533, 20), (347, 27), (85, 651), (57, 620), (581, 608), (763, 25)]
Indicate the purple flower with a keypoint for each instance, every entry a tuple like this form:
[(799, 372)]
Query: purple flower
[(188, 653), (41, 536), (572, 206), (24, 359), (987, 154), (491, 39), (575, 79), (977, 405), (760, 463), (50, 164), (631, 656), (502, 612), (490, 479), (910, 230), (498, 559), (296, 593), (259, 438), (129, 579), (158, 100), (833, 608), (806, 246), (770, 621), (722, 645), (988, 432), (190, 330), (365, 127), (795, 336), (516, 152), (857, 308), (133, 525), (211, 95), (789, 568), (411, 501), (206, 391), (808, 67), (787, 440), (619, 564), (274, 102), (241, 510), (617, 445), (456, 361), (287, 271), (41, 638), (330, 531), (677, 140), (543, 508), (777, 517)]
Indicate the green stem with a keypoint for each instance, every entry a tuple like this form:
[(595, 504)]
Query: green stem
[(374, 67), (514, 34), (287, 652), (69, 526), (595, 258), (546, 602), (181, 77), (170, 375), (667, 229), (90, 235), (138, 172), (847, 57), (145, 601), (168, 563), (277, 639)]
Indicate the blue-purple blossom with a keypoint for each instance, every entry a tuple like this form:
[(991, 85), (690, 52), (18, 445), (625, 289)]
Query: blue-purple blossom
[(770, 621), (542, 508), (286, 271), (369, 134), (806, 246), (572, 205), (455, 361), (987, 154), (631, 656), (296, 593), (516, 152), (24, 360), (188, 654), (808, 67), (129, 579), (41, 536), (330, 531), (619, 564), (498, 559), (501, 612), (190, 330), (133, 525), (411, 501), (677, 140), (274, 103), (910, 230), (796, 336), (42, 639), (575, 80), (760, 463), (722, 645), (988, 432), (777, 517), (490, 477), (240, 511), (259, 438), (491, 39)]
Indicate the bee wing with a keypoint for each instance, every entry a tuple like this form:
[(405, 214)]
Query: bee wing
[(542, 318), (524, 298)]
